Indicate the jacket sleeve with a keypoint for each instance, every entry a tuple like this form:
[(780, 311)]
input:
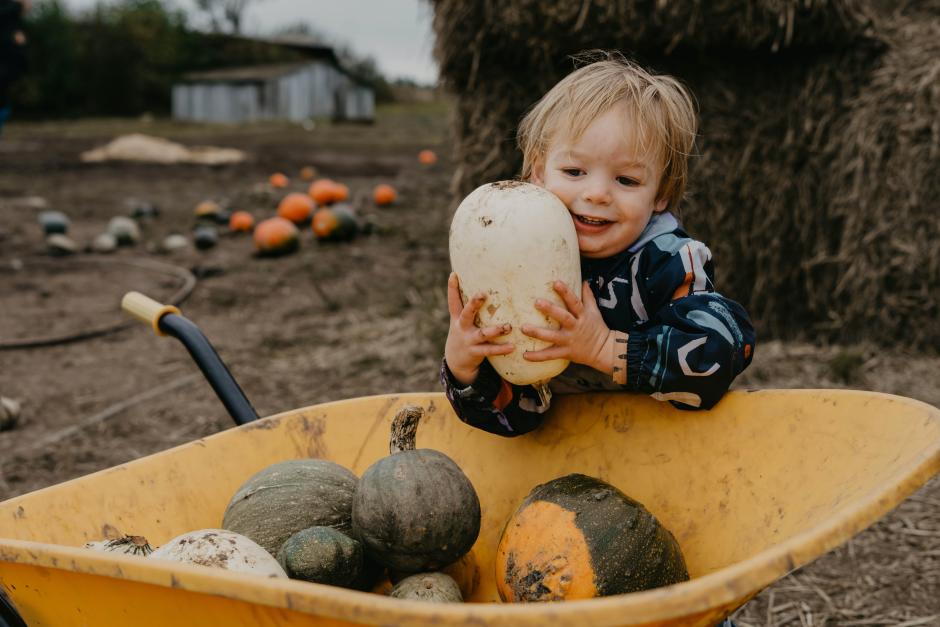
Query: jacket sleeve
[(694, 341), (493, 404)]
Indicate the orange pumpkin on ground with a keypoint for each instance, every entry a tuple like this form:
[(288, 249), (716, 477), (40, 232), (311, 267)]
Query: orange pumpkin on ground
[(577, 537), (323, 191), (278, 180), (276, 236), (296, 207), (308, 173), (207, 209), (241, 222), (427, 157), (340, 192), (384, 194)]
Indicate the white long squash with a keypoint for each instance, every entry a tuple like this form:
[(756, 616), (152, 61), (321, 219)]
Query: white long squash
[(511, 241)]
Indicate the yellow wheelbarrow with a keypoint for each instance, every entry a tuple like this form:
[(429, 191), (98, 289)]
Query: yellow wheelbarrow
[(762, 484)]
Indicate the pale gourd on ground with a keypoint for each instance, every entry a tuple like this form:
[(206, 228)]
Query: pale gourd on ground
[(511, 241), (218, 548)]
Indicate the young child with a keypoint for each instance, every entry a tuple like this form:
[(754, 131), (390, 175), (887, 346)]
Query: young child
[(612, 142)]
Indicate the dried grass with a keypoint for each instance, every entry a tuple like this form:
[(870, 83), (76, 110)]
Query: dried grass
[(815, 179)]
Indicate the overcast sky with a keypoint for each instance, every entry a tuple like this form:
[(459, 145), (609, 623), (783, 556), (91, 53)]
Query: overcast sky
[(396, 33)]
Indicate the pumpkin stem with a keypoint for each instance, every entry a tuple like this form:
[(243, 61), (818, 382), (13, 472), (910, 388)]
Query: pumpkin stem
[(404, 429)]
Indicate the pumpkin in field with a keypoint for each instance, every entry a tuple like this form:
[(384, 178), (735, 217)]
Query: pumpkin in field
[(278, 180), (53, 222), (427, 157), (296, 207), (335, 223), (308, 173), (276, 236), (241, 222), (340, 192), (577, 537), (427, 587), (323, 191), (322, 555), (207, 209), (384, 194), (415, 510), (290, 496)]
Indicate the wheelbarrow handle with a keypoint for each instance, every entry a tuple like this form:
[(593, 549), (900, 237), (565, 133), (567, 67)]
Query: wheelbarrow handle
[(167, 320)]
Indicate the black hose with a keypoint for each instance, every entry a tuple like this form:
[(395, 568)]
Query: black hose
[(219, 377)]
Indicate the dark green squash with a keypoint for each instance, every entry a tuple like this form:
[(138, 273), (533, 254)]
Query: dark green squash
[(428, 587), (54, 222), (322, 555), (415, 510), (578, 537), (290, 496)]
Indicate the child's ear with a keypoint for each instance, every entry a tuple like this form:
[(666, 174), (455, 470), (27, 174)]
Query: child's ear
[(538, 174), (661, 205)]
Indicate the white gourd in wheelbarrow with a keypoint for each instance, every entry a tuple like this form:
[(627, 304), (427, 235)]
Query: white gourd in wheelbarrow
[(511, 241)]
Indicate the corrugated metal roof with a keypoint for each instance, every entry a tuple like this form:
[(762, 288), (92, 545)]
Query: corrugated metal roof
[(247, 74)]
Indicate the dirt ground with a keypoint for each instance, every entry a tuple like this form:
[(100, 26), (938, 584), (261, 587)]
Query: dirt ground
[(329, 322)]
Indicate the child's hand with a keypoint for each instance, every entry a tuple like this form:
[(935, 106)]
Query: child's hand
[(583, 337), (467, 345)]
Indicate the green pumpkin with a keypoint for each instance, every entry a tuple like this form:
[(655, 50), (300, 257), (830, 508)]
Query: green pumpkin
[(322, 555), (415, 510), (290, 496), (578, 537)]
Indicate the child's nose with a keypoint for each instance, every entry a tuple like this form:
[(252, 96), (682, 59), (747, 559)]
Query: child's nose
[(597, 192)]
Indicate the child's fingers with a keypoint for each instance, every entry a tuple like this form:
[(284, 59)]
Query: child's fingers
[(454, 304), (488, 350), (546, 354), (570, 299), (587, 296), (561, 315), (471, 309), (485, 334), (542, 333)]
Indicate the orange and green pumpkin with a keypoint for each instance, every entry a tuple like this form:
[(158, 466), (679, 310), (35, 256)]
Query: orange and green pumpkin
[(577, 537), (335, 223)]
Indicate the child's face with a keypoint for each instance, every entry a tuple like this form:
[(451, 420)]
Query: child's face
[(607, 186)]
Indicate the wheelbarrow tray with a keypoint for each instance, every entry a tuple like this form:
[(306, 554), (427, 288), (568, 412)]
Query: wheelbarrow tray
[(762, 484)]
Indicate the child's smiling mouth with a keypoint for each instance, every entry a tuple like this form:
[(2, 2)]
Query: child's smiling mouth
[(589, 221)]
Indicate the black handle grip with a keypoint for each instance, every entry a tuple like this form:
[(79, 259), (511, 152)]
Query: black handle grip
[(219, 377)]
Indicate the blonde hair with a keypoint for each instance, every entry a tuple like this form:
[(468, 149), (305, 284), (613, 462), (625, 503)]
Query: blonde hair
[(660, 106)]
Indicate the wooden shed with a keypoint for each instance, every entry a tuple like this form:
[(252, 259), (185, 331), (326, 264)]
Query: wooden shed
[(315, 87)]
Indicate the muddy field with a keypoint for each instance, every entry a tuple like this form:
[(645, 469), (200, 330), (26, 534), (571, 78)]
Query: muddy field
[(332, 321)]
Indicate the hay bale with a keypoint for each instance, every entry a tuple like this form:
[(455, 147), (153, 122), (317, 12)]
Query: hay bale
[(802, 105)]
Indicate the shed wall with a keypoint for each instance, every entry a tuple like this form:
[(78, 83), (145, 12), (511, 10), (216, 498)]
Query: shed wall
[(316, 90)]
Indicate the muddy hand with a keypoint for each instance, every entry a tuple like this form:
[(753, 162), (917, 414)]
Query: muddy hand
[(467, 344)]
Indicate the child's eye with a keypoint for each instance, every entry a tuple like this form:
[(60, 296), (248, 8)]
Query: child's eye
[(627, 181), (573, 171)]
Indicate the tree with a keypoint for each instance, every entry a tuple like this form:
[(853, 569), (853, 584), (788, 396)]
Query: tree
[(221, 13)]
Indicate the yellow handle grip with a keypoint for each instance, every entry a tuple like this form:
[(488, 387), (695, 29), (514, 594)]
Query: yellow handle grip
[(146, 309)]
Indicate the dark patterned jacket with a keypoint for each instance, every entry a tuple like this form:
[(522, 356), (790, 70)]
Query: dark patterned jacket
[(686, 343)]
